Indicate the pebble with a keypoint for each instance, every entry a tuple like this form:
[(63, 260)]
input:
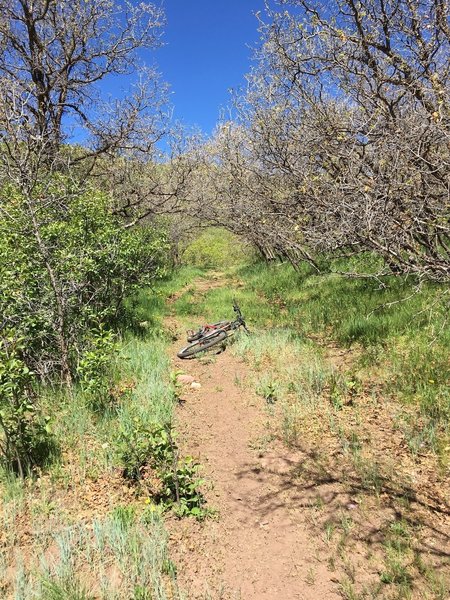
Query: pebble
[(185, 378)]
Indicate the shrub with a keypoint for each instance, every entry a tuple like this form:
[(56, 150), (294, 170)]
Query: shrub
[(26, 434), (94, 365), (66, 265), (217, 249), (143, 446)]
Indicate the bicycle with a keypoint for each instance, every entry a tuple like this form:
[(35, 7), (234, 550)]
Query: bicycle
[(211, 334)]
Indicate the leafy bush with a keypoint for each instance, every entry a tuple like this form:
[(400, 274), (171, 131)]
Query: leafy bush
[(26, 434), (94, 364), (217, 249), (66, 265), (148, 450)]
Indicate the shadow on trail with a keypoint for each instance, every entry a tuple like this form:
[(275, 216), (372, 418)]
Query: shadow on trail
[(367, 508)]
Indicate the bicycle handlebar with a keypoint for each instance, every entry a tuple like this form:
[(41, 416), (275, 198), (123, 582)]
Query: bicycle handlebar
[(236, 308)]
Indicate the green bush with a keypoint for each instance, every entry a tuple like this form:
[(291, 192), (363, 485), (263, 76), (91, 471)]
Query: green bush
[(94, 366), (217, 249), (141, 445), (26, 440), (66, 265)]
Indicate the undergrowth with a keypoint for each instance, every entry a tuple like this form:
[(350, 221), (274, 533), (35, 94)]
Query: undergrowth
[(115, 439)]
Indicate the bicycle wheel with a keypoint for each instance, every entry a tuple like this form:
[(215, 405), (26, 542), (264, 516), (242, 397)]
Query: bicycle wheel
[(196, 335), (202, 344), (206, 331)]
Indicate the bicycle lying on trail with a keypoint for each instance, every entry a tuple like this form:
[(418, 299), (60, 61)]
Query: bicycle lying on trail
[(211, 334)]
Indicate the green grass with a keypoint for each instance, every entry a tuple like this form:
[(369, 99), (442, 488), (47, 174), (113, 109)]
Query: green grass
[(397, 326), (145, 310), (402, 342), (122, 556), (217, 304), (351, 310), (146, 362)]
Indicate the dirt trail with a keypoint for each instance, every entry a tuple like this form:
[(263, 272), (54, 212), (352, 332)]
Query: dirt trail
[(259, 546)]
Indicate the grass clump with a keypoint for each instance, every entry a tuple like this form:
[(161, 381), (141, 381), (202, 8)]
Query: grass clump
[(122, 556), (398, 557)]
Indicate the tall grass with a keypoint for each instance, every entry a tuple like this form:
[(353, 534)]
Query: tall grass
[(365, 310), (146, 362), (121, 557), (397, 324), (144, 311)]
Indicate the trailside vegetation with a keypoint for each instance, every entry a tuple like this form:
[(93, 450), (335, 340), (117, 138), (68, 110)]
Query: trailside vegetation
[(68, 259), (336, 159)]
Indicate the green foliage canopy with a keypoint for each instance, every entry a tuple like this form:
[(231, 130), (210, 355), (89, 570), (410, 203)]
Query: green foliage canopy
[(66, 265), (95, 262)]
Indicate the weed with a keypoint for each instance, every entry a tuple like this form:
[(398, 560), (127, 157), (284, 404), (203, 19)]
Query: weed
[(290, 423), (346, 523), (439, 584), (176, 385), (329, 531), (149, 452), (268, 389), (398, 551), (348, 591), (64, 589), (124, 516), (369, 473)]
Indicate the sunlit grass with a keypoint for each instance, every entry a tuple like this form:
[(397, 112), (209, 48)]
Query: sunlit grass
[(121, 556), (398, 325)]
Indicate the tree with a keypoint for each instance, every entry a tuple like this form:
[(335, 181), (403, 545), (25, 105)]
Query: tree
[(343, 134), (53, 55)]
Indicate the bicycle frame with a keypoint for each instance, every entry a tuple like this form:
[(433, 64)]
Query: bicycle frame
[(226, 326), (209, 335)]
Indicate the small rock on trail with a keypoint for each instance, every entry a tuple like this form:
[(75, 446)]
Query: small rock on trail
[(185, 379)]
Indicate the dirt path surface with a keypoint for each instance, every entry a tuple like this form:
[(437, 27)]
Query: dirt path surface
[(259, 546)]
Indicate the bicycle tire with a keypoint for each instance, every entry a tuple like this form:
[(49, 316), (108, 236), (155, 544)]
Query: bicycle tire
[(202, 344), (199, 333)]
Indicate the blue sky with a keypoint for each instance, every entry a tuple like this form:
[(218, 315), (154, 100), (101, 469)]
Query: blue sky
[(206, 52)]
